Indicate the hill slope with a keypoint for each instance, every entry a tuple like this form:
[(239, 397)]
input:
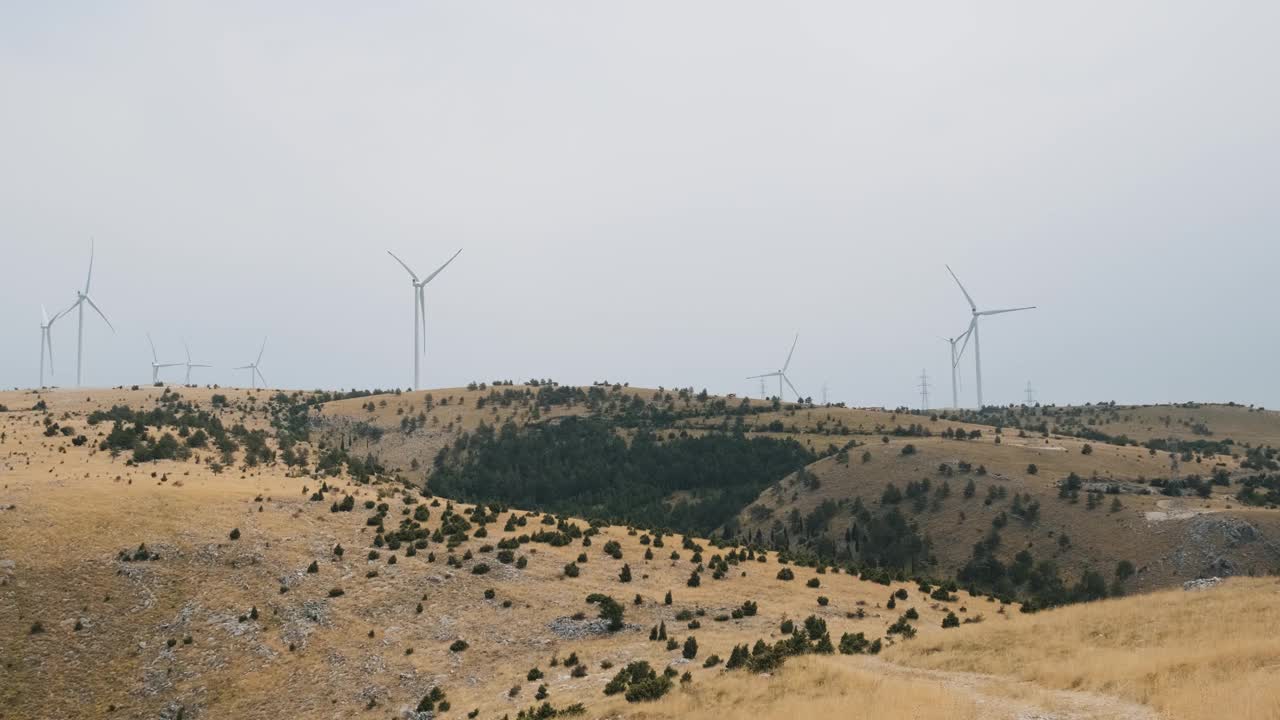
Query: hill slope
[(166, 553)]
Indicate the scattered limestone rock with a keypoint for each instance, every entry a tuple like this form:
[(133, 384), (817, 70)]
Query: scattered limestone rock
[(1202, 584)]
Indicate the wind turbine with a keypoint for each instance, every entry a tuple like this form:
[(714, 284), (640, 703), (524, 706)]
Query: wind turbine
[(973, 329), (782, 374), (190, 364), (955, 364), (155, 362), (81, 299), (420, 310), (254, 372), (46, 341)]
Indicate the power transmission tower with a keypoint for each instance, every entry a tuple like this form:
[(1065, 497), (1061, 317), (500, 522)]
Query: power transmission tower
[(824, 393), (1031, 394), (924, 390)]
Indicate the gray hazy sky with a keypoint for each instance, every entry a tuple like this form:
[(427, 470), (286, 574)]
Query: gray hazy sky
[(657, 192)]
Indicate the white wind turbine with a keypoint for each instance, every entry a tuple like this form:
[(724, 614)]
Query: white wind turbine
[(782, 374), (155, 362), (81, 299), (955, 364), (420, 310), (190, 364), (46, 341), (973, 330), (254, 372)]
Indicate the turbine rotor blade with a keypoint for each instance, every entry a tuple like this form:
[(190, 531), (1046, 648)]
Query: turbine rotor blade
[(787, 364), (260, 376), (153, 349), (422, 318), (442, 267), (48, 342), (757, 377), (44, 316), (972, 306), (100, 313), (1007, 310), (264, 347), (967, 334), (64, 312), (89, 278), (402, 264), (793, 387)]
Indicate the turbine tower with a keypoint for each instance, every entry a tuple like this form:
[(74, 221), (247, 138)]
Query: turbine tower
[(155, 362), (81, 299), (46, 340), (254, 372), (190, 364), (782, 374), (973, 329), (420, 310)]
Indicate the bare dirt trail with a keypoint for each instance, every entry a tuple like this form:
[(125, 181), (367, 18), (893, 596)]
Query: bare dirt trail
[(1011, 699)]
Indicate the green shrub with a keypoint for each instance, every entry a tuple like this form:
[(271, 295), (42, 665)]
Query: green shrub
[(854, 644), (610, 610), (690, 650)]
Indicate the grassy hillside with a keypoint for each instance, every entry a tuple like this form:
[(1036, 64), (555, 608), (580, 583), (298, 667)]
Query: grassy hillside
[(1210, 513), (207, 582)]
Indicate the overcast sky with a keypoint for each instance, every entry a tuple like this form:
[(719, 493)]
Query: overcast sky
[(661, 192)]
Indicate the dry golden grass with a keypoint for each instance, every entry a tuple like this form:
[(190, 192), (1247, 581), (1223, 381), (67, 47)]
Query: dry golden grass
[(1190, 655), (814, 687)]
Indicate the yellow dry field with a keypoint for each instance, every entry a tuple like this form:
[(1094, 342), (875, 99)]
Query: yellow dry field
[(1190, 655)]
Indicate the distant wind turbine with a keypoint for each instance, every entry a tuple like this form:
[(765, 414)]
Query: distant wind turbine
[(190, 364), (254, 372), (782, 374), (955, 364), (155, 362), (46, 341), (81, 299), (420, 310), (973, 330)]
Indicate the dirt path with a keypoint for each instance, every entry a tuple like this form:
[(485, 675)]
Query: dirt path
[(1010, 699)]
